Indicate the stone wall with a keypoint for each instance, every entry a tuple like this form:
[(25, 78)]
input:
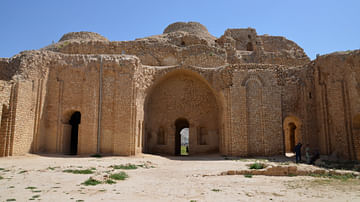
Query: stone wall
[(255, 106), (240, 95), (337, 92), (73, 85)]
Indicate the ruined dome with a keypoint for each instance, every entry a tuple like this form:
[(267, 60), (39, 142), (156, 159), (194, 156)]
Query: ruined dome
[(83, 36), (190, 27)]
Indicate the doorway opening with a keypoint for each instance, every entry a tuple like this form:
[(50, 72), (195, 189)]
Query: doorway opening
[(74, 122), (292, 128), (181, 125), (184, 133)]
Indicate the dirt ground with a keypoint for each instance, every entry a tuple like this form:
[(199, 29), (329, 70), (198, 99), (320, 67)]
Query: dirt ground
[(160, 178)]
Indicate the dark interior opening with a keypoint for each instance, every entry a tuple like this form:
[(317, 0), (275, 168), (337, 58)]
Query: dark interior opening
[(249, 47), (74, 122), (292, 128), (179, 125)]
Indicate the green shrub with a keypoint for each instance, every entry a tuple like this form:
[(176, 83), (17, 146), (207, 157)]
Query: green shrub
[(85, 171), (108, 181), (23, 171), (257, 165), (96, 155), (335, 176), (91, 182), (248, 175), (125, 167), (119, 176)]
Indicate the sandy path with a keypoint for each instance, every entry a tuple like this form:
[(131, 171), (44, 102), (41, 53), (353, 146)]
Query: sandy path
[(167, 179)]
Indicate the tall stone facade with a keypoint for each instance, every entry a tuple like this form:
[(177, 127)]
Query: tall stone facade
[(240, 95)]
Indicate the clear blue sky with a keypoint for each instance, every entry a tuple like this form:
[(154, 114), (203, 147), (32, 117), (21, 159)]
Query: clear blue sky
[(318, 26)]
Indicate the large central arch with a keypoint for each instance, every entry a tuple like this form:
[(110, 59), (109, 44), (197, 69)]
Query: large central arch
[(181, 95)]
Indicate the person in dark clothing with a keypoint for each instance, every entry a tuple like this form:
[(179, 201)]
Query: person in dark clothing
[(298, 152)]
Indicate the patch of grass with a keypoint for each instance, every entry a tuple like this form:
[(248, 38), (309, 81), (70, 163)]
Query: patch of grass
[(2, 168), (257, 165), (91, 182), (96, 155), (23, 171), (31, 188), (84, 171), (183, 151), (292, 175), (10, 199), (108, 181), (215, 190), (36, 196), (52, 168), (1, 177), (102, 190), (36, 191), (125, 167), (11, 187), (248, 175), (119, 176), (192, 200), (79, 200), (344, 177)]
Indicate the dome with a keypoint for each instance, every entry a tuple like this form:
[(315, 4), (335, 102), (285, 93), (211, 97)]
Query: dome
[(190, 27), (83, 36)]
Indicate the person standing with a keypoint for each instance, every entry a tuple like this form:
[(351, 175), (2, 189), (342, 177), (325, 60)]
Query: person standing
[(307, 154), (298, 152)]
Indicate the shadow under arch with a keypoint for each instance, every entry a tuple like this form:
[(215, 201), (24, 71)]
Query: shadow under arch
[(292, 133), (176, 92)]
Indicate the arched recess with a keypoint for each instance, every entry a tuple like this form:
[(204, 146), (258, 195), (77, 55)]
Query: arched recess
[(254, 114), (356, 135), (292, 133), (177, 95), (70, 132)]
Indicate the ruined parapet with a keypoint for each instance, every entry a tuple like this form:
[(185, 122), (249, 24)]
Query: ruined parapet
[(190, 43), (245, 46), (240, 39), (5, 71)]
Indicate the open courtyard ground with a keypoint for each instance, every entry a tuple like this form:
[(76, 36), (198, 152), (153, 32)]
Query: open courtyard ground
[(161, 178)]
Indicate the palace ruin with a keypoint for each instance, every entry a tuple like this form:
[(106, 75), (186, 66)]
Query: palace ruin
[(242, 94)]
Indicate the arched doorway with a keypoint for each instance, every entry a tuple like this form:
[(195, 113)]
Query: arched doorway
[(74, 122), (291, 127), (180, 124), (181, 93)]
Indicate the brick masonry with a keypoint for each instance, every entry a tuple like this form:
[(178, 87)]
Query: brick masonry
[(241, 94)]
